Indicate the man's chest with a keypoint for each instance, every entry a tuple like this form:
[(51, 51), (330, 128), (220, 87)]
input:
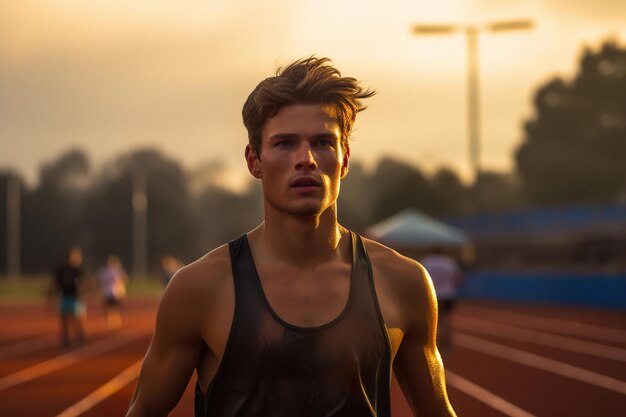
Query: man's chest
[(303, 300), (306, 298)]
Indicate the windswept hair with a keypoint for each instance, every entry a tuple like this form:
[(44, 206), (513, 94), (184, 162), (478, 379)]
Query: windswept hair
[(306, 81)]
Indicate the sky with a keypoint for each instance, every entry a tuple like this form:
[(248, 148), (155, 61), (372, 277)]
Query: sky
[(111, 76)]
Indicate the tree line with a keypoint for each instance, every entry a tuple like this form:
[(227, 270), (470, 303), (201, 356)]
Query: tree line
[(572, 152)]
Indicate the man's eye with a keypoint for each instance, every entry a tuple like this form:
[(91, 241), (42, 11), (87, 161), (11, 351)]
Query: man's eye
[(283, 143), (324, 143)]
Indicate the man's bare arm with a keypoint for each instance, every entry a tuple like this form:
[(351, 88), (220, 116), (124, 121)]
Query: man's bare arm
[(417, 365), (173, 353)]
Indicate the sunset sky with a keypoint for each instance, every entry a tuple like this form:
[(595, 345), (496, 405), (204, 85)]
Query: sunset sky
[(109, 76)]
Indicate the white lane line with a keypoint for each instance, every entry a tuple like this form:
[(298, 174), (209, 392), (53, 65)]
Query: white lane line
[(70, 358), (553, 325), (105, 391), (487, 397), (539, 362), (540, 338)]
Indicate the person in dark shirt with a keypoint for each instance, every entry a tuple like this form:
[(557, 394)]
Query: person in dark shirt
[(299, 317), (69, 284)]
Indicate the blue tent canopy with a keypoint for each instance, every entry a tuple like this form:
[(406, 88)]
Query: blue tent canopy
[(411, 228)]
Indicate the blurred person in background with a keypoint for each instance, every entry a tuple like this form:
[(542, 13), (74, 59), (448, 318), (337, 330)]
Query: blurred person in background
[(447, 276), (169, 266), (113, 279), (69, 285), (300, 316)]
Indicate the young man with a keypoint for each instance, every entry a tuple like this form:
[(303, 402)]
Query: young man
[(300, 316)]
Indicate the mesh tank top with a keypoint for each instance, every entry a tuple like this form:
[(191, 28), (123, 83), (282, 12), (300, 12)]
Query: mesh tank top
[(272, 368)]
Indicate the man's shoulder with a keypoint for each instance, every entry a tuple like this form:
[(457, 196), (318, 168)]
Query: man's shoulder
[(391, 263), (402, 276), (403, 283), (204, 277)]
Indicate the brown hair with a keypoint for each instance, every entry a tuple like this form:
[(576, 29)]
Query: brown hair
[(308, 81)]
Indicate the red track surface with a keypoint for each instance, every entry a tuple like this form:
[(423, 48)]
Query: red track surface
[(508, 360)]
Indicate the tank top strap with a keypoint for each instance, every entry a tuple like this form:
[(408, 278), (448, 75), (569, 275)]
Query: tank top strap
[(360, 262), (240, 256), (247, 288), (364, 291)]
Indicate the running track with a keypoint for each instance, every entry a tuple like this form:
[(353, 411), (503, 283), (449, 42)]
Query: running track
[(508, 360)]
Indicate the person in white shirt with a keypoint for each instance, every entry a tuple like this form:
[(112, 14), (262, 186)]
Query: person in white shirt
[(446, 276), (113, 280)]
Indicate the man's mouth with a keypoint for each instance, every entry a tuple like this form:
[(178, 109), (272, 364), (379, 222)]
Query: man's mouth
[(303, 182)]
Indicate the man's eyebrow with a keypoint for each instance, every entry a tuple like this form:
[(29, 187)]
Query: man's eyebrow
[(284, 136), (327, 135)]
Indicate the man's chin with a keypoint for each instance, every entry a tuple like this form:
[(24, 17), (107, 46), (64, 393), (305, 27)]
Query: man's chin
[(302, 208), (306, 211)]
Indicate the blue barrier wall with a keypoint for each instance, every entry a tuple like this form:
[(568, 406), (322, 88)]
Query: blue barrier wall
[(569, 289)]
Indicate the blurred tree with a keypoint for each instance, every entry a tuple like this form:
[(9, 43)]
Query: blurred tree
[(222, 215), (51, 211), (500, 192), (396, 185), (108, 210), (5, 178), (355, 203), (450, 196), (107, 214), (70, 171), (575, 146)]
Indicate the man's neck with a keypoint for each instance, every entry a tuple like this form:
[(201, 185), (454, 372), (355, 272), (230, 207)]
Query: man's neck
[(304, 241)]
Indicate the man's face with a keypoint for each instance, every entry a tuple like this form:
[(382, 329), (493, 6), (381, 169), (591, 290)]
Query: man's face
[(302, 160)]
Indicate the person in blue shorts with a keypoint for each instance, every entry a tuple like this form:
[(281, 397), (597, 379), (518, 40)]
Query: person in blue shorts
[(69, 284)]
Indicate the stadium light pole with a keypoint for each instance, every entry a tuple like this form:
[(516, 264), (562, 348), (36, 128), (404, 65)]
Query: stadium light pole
[(473, 101), (140, 223)]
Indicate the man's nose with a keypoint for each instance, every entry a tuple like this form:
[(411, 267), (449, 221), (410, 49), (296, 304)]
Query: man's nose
[(305, 158)]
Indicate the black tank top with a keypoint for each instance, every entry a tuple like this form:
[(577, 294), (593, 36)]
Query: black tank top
[(272, 368)]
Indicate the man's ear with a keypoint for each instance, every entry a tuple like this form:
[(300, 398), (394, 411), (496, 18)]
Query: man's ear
[(253, 161), (346, 162)]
